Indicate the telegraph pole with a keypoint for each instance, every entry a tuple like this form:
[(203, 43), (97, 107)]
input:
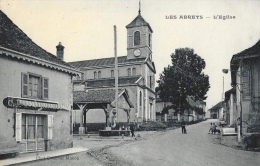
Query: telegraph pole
[(116, 70)]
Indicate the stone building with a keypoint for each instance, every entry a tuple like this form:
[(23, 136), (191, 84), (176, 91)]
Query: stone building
[(136, 72), (35, 111), (245, 77)]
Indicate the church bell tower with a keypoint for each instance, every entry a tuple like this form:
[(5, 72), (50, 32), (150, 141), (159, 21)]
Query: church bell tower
[(139, 38)]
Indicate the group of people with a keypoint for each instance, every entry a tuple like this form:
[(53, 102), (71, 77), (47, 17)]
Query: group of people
[(130, 127), (213, 129)]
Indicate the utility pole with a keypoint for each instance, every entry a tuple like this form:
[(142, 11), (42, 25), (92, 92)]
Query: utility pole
[(116, 72)]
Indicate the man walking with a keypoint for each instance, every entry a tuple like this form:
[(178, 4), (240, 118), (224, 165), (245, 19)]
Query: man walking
[(183, 124), (132, 129)]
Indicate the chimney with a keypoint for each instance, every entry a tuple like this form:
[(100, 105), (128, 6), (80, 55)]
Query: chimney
[(60, 51)]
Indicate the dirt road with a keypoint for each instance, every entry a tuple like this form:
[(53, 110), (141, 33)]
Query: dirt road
[(169, 148), (195, 148)]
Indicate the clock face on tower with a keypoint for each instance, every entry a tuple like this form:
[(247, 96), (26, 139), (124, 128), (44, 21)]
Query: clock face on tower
[(137, 52)]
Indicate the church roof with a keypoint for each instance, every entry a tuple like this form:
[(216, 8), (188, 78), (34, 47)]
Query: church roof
[(104, 62), (13, 38), (138, 22), (110, 82)]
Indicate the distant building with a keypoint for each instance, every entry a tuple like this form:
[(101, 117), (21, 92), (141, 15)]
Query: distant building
[(217, 111), (165, 113), (136, 73), (35, 110)]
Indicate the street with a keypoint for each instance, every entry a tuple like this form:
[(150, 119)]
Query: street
[(167, 148), (195, 148)]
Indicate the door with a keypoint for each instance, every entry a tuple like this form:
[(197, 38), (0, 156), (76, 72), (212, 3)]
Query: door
[(33, 132)]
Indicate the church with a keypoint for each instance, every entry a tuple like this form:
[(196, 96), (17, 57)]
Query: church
[(136, 76)]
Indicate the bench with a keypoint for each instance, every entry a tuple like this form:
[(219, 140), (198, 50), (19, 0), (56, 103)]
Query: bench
[(228, 131)]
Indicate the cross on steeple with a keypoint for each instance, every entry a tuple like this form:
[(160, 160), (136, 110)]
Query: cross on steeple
[(139, 12)]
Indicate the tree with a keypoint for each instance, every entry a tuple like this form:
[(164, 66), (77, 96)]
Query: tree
[(182, 79)]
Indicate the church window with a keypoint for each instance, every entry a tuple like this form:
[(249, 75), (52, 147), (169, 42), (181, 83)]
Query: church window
[(150, 81), (99, 74), (134, 71), (112, 73), (95, 75), (128, 72), (140, 100), (149, 40), (137, 38)]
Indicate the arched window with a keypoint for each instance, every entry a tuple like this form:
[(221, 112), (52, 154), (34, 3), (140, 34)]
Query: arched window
[(149, 40), (128, 72), (140, 100), (95, 75), (134, 71), (99, 74), (137, 38), (112, 73)]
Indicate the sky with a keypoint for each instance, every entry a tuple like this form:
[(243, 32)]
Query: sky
[(85, 28)]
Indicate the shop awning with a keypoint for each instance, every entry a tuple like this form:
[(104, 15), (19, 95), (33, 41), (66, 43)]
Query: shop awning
[(16, 102)]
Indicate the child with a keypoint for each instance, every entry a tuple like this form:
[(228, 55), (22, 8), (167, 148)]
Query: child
[(210, 129)]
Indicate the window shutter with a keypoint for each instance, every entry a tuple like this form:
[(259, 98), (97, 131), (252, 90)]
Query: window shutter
[(50, 127), (25, 85), (18, 126), (45, 88)]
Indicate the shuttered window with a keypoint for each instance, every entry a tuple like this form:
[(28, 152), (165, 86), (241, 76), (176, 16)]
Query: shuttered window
[(35, 86)]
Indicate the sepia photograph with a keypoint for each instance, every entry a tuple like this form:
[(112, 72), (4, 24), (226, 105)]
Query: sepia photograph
[(130, 82)]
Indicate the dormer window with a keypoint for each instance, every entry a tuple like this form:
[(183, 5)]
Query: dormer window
[(137, 38)]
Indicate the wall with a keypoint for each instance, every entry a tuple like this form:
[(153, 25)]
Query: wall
[(60, 90)]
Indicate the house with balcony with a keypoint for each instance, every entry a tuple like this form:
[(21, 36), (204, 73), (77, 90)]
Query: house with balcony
[(36, 94)]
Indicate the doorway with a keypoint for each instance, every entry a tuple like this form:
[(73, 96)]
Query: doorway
[(34, 130)]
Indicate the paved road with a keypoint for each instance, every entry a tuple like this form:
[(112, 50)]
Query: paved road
[(193, 149)]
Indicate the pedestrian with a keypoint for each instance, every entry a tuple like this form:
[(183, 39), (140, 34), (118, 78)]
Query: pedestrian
[(123, 127), (214, 127), (183, 129), (132, 129), (210, 129)]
